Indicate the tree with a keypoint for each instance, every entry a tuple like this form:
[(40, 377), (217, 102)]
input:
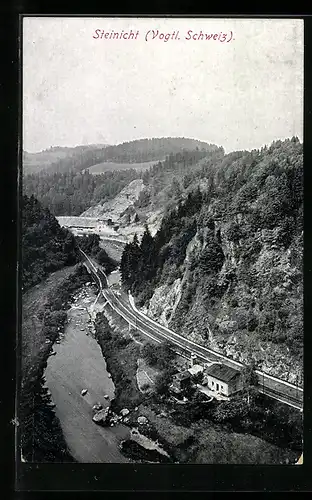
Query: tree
[(104, 260), (147, 264), (162, 382), (126, 267), (130, 261), (230, 411), (135, 240), (150, 353), (212, 257), (71, 193), (249, 381), (175, 189), (146, 242), (234, 232), (90, 243), (165, 354), (159, 355), (198, 378), (187, 180), (46, 246)]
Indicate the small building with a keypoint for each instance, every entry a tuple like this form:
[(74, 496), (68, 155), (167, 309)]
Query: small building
[(223, 379), (180, 381), (195, 370)]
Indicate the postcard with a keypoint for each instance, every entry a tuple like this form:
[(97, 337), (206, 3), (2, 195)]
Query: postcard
[(162, 241)]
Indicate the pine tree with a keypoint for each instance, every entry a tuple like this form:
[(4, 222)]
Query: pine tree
[(135, 240), (130, 262), (175, 188), (148, 257), (125, 266)]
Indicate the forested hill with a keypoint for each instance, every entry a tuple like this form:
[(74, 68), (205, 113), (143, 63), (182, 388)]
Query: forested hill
[(225, 267), (46, 246), (72, 193), (138, 151), (36, 162), (153, 149)]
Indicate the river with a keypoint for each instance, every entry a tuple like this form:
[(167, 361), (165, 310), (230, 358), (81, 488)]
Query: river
[(77, 365)]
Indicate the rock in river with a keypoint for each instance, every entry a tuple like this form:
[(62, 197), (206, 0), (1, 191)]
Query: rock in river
[(97, 407), (142, 420), (101, 417)]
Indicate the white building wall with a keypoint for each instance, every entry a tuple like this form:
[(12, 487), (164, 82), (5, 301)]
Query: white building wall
[(213, 383)]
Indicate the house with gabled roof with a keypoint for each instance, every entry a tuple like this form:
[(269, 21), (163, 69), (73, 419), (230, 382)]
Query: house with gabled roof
[(223, 379)]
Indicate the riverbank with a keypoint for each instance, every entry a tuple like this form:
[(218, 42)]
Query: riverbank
[(78, 379), (121, 355), (188, 434), (122, 352), (43, 319)]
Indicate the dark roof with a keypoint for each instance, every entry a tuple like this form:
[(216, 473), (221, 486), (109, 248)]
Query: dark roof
[(182, 375), (222, 372)]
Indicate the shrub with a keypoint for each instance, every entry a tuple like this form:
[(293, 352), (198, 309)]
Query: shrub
[(145, 387), (163, 381), (160, 355)]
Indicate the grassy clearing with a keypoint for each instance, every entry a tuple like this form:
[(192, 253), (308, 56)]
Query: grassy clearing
[(169, 432), (204, 442), (99, 168), (146, 376), (114, 249), (214, 445)]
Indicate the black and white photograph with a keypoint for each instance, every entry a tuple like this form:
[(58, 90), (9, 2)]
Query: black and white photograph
[(161, 241)]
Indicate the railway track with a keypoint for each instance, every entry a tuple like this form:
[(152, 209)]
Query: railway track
[(282, 397), (271, 386)]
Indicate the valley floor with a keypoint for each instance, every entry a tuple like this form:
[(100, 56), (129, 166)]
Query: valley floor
[(202, 441)]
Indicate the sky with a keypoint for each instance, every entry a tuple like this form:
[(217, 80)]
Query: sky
[(241, 89)]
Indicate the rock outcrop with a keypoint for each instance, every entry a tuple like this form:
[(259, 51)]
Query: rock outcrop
[(238, 286), (220, 325), (117, 208), (164, 302), (101, 417)]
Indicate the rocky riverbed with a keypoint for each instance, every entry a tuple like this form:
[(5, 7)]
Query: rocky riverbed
[(79, 366)]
